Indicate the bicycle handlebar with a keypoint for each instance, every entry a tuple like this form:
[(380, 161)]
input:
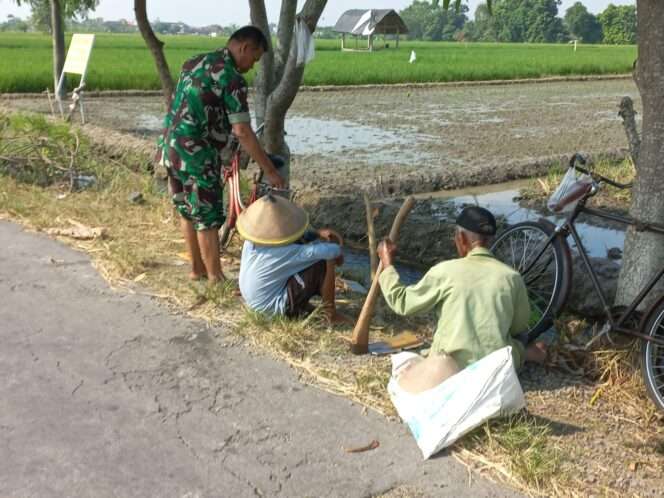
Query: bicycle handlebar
[(595, 176)]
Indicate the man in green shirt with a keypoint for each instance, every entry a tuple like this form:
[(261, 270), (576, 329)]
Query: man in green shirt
[(481, 303)]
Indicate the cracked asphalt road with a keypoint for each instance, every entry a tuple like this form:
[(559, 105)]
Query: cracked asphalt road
[(110, 395)]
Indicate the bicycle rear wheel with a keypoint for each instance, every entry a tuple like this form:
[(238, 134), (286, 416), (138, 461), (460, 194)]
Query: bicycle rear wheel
[(547, 278), (652, 355)]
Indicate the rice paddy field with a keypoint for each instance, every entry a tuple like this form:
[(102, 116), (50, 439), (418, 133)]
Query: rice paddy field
[(122, 62)]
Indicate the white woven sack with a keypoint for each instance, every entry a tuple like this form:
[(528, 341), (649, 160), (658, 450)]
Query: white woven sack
[(441, 415)]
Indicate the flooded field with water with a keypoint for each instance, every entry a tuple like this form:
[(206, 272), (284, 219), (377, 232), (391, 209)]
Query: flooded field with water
[(391, 141)]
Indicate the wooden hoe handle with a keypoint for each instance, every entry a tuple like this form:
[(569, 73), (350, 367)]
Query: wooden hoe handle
[(360, 340)]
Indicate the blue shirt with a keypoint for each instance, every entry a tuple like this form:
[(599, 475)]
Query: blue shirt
[(264, 271)]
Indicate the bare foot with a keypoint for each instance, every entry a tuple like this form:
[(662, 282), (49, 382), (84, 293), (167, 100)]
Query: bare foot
[(219, 279), (197, 276), (536, 352)]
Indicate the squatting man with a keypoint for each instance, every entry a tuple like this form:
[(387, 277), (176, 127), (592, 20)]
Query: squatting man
[(481, 303), (284, 264)]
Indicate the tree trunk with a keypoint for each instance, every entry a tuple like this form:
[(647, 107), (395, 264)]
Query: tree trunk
[(156, 46), (285, 76), (644, 252), (58, 33), (263, 83)]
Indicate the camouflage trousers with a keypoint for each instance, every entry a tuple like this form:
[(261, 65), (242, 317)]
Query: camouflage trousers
[(198, 196)]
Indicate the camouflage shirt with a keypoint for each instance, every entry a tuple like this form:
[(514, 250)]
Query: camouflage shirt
[(210, 97)]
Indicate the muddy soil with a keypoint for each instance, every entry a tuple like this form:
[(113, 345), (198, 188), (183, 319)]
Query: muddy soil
[(394, 141)]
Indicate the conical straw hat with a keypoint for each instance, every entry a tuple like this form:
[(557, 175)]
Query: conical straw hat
[(272, 221)]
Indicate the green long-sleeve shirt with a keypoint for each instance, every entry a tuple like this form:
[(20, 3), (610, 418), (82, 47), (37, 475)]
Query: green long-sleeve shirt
[(480, 302)]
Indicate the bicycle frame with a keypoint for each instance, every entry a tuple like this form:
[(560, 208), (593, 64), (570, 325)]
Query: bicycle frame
[(568, 228)]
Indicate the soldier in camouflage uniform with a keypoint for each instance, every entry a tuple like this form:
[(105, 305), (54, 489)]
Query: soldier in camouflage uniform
[(210, 103)]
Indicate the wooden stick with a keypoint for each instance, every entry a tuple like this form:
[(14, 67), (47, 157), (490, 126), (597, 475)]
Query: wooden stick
[(371, 234), (360, 338)]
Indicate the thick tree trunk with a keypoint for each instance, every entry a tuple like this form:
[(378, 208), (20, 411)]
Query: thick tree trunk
[(156, 46), (279, 78), (644, 252), (58, 33), (263, 83)]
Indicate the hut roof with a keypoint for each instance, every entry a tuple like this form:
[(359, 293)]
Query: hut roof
[(370, 21)]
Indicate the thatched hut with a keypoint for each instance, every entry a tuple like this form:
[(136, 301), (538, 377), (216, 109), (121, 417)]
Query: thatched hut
[(362, 22)]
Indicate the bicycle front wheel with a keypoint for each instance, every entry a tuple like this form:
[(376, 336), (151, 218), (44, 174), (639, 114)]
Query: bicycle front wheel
[(652, 355), (547, 275)]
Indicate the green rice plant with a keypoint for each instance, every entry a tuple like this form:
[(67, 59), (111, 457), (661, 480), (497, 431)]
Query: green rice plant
[(122, 62)]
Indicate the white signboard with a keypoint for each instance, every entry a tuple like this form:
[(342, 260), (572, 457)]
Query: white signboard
[(78, 54)]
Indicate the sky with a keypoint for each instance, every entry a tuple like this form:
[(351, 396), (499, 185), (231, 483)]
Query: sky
[(237, 12)]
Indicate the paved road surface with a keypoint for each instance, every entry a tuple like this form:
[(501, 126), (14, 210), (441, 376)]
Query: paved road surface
[(105, 394)]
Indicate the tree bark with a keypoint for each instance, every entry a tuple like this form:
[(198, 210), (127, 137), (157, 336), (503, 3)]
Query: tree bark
[(285, 37), (279, 94), (58, 33), (263, 83), (644, 251), (156, 46), (628, 115)]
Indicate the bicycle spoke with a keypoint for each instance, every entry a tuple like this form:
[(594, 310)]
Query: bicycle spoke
[(529, 251), (540, 296), (541, 264), (513, 255), (541, 278), (525, 247), (539, 306)]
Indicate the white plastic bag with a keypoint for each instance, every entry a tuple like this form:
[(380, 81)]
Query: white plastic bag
[(439, 416), (574, 182), (305, 43)]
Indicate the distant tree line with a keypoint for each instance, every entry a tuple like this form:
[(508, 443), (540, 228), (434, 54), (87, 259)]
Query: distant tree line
[(533, 21), (40, 21)]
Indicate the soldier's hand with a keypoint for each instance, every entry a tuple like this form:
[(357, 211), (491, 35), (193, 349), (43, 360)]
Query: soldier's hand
[(274, 179)]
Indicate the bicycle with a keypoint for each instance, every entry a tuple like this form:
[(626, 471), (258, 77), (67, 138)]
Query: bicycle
[(540, 252), (236, 204)]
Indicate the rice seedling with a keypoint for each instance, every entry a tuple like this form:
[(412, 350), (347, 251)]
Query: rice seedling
[(122, 62)]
